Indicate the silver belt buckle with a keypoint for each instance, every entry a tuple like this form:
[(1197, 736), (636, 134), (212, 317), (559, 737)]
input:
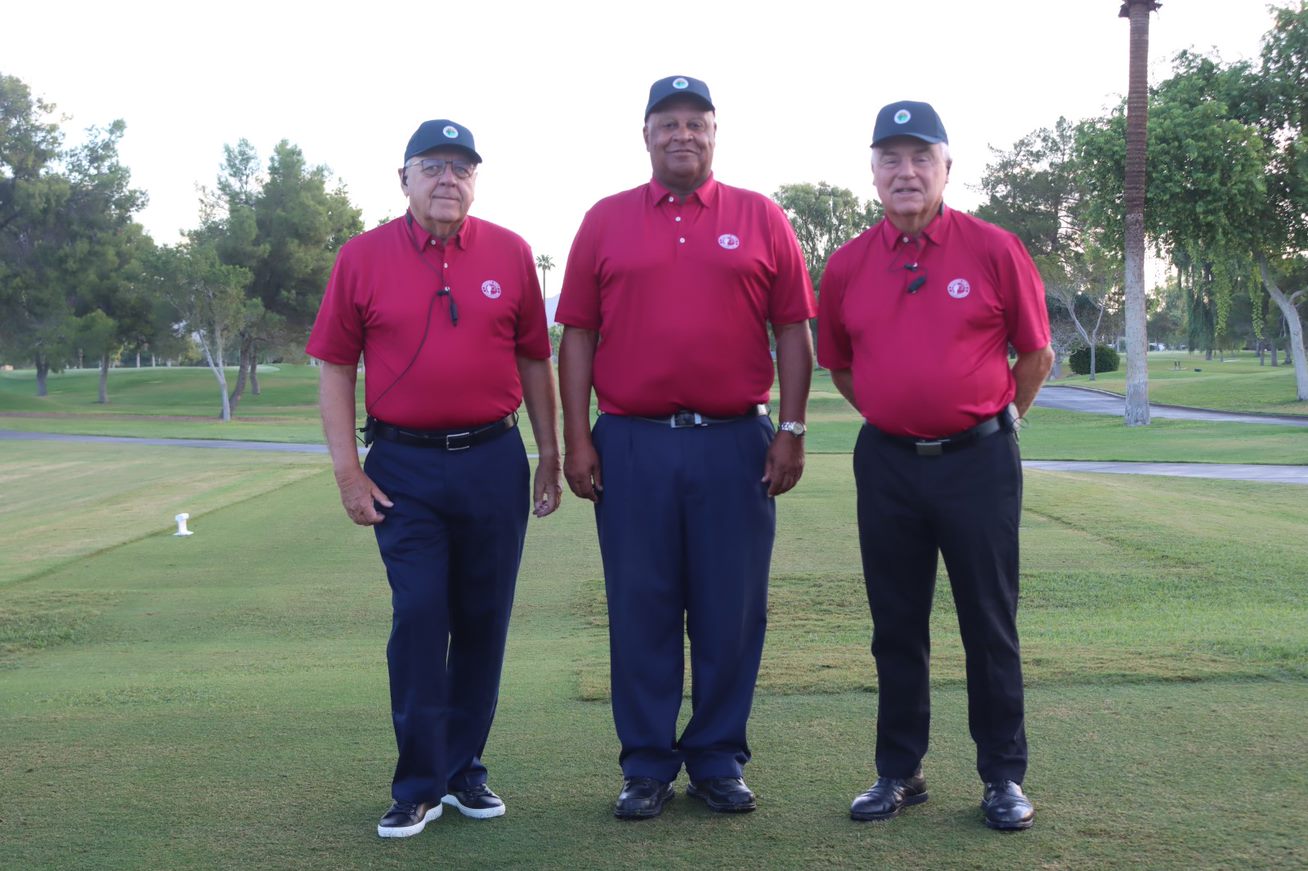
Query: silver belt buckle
[(457, 435)]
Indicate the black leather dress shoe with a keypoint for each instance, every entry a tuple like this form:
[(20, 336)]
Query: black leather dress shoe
[(642, 798), (476, 801), (1006, 807), (405, 818), (888, 796), (728, 795)]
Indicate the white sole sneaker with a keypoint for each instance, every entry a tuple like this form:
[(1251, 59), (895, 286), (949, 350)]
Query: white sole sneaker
[(477, 813), (410, 831)]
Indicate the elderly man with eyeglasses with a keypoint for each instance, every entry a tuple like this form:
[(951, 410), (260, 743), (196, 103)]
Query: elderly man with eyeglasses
[(447, 312)]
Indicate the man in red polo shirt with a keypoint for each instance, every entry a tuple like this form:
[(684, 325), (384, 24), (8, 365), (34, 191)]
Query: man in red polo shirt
[(447, 313), (668, 294), (916, 318)]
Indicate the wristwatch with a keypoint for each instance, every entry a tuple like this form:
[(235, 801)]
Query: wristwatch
[(794, 427)]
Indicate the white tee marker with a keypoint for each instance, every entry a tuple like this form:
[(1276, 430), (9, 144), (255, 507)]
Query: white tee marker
[(181, 525)]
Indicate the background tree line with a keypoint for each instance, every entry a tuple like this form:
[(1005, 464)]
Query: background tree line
[(1226, 207), (81, 280)]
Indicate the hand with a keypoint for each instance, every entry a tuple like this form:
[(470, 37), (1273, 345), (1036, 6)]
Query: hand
[(547, 488), (358, 495), (581, 467), (785, 463)]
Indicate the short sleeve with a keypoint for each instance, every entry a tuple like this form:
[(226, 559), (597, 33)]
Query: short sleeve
[(791, 299), (1026, 316), (834, 350), (533, 339), (337, 335), (579, 300)]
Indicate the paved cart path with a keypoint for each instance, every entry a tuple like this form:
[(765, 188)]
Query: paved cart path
[(1228, 471), (1091, 401)]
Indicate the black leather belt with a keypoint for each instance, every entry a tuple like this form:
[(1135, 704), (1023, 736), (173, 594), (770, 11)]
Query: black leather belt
[(445, 439), (936, 447), (684, 417)]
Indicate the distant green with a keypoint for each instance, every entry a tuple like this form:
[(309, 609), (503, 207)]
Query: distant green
[(181, 403), (1233, 381)]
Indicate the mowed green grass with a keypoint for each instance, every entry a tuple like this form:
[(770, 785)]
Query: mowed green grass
[(1231, 382), (162, 402), (220, 701), (181, 403)]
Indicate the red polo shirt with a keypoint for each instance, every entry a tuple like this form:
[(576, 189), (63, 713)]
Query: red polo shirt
[(681, 294), (423, 371), (933, 362)]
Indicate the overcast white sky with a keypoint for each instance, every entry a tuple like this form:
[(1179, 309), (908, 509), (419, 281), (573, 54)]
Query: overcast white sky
[(555, 92)]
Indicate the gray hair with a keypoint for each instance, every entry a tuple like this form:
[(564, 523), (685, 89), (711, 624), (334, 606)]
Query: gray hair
[(944, 153)]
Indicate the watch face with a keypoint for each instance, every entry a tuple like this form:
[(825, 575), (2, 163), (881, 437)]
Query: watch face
[(794, 427)]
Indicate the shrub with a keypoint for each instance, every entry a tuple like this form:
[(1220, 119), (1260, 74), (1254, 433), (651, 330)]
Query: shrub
[(1106, 360)]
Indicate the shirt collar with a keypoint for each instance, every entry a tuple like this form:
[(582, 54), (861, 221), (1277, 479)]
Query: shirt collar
[(462, 238), (707, 193), (936, 232)]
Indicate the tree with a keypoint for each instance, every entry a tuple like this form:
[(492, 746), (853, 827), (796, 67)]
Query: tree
[(68, 246), (1229, 192), (284, 230), (1038, 191), (1137, 120), (1206, 183), (101, 259), (544, 263), (35, 323), (209, 299), (29, 141), (824, 218), (1283, 237)]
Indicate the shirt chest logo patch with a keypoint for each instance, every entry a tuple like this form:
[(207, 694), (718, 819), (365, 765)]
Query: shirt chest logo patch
[(491, 289), (729, 241), (958, 288)]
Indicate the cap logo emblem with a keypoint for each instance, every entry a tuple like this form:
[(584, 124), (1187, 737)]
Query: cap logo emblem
[(451, 132), (491, 289), (903, 116), (680, 84), (958, 288), (729, 241)]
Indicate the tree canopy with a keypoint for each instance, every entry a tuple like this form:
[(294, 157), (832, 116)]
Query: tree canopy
[(824, 217)]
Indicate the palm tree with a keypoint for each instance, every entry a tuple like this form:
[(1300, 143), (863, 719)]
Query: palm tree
[(544, 263), (1137, 128)]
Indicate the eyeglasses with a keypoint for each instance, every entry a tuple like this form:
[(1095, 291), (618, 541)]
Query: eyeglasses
[(434, 167)]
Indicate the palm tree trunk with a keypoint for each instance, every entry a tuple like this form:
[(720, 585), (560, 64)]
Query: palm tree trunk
[(1137, 132)]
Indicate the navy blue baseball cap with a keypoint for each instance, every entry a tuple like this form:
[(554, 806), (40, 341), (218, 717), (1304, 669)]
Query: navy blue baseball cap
[(441, 133), (909, 118), (677, 86)]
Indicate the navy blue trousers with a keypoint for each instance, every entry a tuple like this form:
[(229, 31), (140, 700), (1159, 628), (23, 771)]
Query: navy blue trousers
[(964, 505), (451, 545), (685, 532)]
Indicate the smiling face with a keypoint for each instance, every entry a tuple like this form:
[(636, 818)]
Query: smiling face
[(910, 177), (439, 203), (680, 136)]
